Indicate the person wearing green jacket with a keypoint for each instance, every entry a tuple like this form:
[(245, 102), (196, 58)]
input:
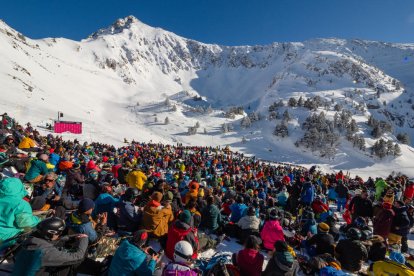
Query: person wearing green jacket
[(380, 186), (15, 213)]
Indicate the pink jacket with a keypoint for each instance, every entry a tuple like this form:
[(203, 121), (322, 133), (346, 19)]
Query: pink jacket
[(271, 232)]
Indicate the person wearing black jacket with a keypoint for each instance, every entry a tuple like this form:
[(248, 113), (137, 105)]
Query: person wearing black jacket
[(350, 252), (129, 217), (342, 192), (333, 230), (401, 224), (323, 241), (361, 206), (44, 254)]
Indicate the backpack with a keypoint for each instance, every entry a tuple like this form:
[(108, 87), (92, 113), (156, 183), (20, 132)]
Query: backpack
[(330, 271), (176, 272), (388, 268)]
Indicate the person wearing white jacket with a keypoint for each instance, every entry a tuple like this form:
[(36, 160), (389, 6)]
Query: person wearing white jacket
[(249, 224)]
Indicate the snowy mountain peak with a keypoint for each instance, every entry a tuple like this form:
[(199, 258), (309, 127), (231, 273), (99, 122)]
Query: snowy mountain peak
[(129, 23), (129, 75)]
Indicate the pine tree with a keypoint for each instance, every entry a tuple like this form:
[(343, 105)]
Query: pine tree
[(155, 120), (397, 150), (292, 102), (166, 121), (403, 138), (197, 125), (205, 131), (377, 131), (300, 101), (167, 102), (192, 130), (281, 130), (246, 122), (286, 116), (174, 108)]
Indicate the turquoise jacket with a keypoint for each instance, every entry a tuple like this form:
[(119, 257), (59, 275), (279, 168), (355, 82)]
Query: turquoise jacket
[(37, 167), (131, 260), (15, 213)]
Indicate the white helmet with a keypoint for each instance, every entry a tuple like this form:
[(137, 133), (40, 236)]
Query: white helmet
[(182, 251)]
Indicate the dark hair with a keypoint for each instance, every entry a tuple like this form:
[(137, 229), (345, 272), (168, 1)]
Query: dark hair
[(239, 199), (281, 246), (210, 200), (252, 242), (192, 203)]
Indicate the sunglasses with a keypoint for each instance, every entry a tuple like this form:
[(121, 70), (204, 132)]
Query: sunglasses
[(49, 180)]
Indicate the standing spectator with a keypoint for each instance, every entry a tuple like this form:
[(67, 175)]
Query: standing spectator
[(382, 222), (401, 224), (342, 192), (361, 206), (308, 193)]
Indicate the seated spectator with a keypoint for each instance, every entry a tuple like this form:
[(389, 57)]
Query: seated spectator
[(37, 169), (272, 231), (133, 258), (16, 213), (182, 261), (157, 217), (281, 262), (249, 224), (81, 222), (211, 218), (249, 260)]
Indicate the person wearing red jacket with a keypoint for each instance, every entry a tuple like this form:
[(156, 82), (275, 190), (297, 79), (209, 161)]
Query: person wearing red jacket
[(318, 206), (249, 260), (409, 191)]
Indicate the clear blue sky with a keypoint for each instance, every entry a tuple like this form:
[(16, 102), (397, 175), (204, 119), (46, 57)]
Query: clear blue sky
[(226, 22)]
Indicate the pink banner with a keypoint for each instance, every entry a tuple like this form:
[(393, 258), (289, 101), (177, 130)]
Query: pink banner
[(72, 127)]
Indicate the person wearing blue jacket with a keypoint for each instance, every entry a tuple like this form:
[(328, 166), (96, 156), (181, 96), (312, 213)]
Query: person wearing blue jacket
[(238, 210), (80, 221), (132, 258), (105, 203), (54, 160), (308, 193)]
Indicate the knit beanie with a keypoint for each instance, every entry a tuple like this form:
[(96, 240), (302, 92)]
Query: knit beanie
[(85, 205), (169, 196), (323, 227), (140, 237), (185, 217), (157, 196)]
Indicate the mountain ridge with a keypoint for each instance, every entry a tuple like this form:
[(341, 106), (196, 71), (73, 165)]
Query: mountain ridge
[(131, 69)]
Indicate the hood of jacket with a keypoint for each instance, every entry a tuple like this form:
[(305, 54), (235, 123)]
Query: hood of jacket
[(12, 187), (284, 260)]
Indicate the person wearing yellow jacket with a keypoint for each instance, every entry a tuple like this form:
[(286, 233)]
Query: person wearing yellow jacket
[(27, 143), (136, 178)]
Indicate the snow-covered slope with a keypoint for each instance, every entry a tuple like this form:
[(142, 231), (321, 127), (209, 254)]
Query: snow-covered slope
[(117, 82)]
